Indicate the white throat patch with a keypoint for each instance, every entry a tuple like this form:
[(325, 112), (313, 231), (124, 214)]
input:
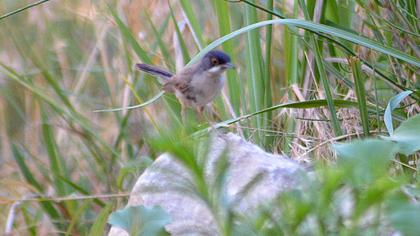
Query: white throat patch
[(216, 70)]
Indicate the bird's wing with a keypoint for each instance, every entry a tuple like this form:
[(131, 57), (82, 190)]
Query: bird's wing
[(181, 81)]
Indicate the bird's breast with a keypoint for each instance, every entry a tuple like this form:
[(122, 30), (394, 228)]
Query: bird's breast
[(206, 88)]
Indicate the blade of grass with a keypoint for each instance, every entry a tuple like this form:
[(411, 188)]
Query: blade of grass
[(163, 48), (323, 75), (193, 21), (359, 83), (267, 71), (10, 73), (222, 11), (291, 51), (346, 49), (47, 206), (184, 48), (57, 165), (296, 105), (140, 52), (256, 83), (319, 28), (100, 222), (78, 217), (23, 9)]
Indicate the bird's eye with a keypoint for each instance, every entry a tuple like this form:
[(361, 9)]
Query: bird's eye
[(214, 61)]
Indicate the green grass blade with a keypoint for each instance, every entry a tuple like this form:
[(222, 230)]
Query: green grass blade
[(163, 48), (296, 105), (323, 75), (140, 52), (256, 83), (47, 206), (184, 48), (291, 60), (56, 162), (10, 73), (77, 217), (20, 160), (222, 10), (359, 83), (100, 222), (146, 103), (23, 9), (195, 24), (268, 100), (319, 28)]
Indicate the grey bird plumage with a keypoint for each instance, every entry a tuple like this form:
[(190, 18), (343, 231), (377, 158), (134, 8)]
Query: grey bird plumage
[(198, 84)]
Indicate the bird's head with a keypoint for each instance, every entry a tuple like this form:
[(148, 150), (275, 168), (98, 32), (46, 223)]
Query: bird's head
[(216, 62)]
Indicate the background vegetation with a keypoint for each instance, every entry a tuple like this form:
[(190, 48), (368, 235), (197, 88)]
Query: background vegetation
[(298, 87)]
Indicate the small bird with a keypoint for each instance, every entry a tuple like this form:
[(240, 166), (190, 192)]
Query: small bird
[(196, 85)]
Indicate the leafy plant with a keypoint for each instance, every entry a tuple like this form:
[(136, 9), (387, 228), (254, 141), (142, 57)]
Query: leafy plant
[(141, 221)]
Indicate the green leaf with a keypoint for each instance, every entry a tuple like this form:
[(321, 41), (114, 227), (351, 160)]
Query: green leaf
[(404, 216), (407, 136), (393, 103), (366, 160), (141, 220)]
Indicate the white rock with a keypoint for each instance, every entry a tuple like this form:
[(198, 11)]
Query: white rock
[(190, 215)]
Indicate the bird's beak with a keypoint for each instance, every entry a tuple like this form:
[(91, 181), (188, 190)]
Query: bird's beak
[(229, 66)]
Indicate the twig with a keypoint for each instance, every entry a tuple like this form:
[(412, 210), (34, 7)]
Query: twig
[(68, 198)]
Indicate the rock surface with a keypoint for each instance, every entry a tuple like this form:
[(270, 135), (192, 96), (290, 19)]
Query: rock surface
[(160, 184)]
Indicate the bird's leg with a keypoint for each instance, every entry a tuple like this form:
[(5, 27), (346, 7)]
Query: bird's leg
[(200, 113), (184, 114), (214, 114)]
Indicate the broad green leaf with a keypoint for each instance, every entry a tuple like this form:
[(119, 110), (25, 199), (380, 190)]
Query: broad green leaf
[(404, 216), (407, 136), (141, 220), (366, 160)]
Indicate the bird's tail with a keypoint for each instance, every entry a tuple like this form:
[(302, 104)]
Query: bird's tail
[(155, 71)]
